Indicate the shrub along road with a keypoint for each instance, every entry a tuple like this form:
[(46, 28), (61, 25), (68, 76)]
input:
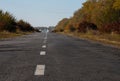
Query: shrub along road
[(55, 57)]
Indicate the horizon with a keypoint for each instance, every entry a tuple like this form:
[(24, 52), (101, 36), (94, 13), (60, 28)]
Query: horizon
[(41, 13)]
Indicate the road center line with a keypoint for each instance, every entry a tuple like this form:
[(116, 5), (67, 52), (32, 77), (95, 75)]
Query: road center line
[(40, 69), (42, 53), (44, 46)]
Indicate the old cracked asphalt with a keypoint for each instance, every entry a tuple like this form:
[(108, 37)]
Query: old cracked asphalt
[(67, 59)]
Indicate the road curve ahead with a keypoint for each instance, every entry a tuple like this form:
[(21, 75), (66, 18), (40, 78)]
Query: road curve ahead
[(55, 57)]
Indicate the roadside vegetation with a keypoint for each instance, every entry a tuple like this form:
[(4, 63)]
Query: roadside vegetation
[(10, 27), (96, 20)]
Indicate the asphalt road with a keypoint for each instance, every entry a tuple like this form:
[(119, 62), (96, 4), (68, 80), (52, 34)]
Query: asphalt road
[(55, 57)]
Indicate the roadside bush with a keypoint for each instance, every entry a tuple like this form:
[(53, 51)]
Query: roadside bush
[(61, 30), (9, 23), (85, 26), (111, 28), (24, 26), (37, 30), (2, 26), (54, 31), (72, 29)]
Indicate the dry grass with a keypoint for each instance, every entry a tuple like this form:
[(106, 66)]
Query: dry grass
[(6, 34), (111, 39)]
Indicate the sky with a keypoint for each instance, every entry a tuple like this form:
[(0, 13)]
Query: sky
[(41, 12)]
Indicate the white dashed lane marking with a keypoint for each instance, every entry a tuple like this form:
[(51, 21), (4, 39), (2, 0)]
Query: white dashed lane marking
[(44, 46), (40, 70), (42, 53)]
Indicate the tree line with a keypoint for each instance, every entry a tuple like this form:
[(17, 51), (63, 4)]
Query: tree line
[(100, 15), (9, 23)]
